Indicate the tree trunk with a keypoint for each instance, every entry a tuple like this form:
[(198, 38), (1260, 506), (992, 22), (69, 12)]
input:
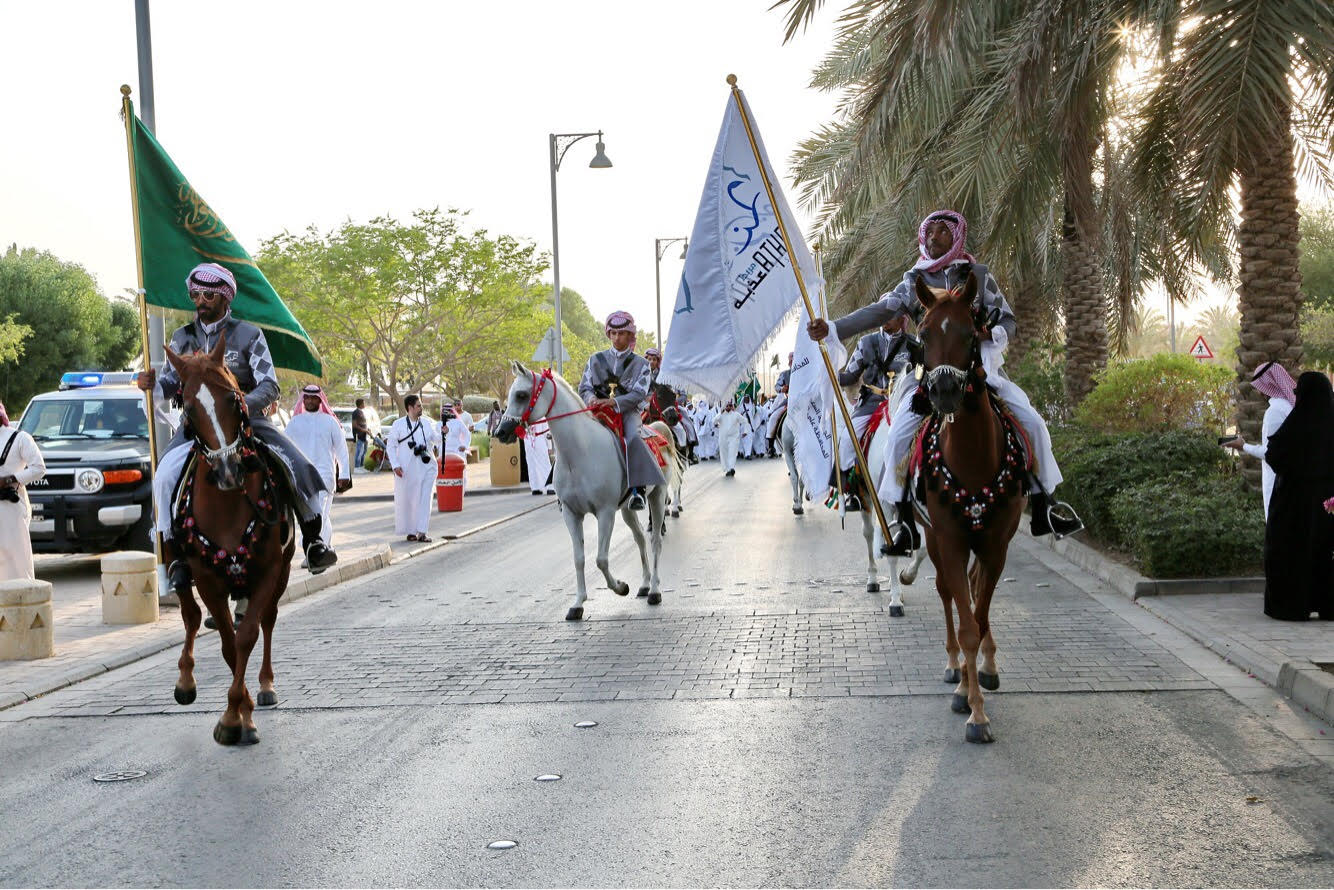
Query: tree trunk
[(1269, 292), (1085, 309)]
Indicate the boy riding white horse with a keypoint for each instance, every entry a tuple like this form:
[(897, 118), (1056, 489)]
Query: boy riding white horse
[(943, 264), (618, 379)]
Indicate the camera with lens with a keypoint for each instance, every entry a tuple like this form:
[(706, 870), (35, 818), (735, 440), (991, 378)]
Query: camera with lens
[(422, 453), (9, 493)]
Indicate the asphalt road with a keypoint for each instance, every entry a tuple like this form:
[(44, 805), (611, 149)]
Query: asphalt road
[(769, 724)]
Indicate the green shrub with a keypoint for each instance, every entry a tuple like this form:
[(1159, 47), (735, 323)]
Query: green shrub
[(482, 442), (478, 406), (1100, 469), (1041, 374), (1179, 527), (1164, 392)]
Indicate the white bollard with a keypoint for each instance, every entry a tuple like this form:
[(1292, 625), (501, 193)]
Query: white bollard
[(25, 620), (129, 588)]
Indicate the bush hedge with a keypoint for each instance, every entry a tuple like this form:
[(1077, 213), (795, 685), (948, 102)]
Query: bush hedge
[(1101, 469), (1175, 529), (1160, 393)]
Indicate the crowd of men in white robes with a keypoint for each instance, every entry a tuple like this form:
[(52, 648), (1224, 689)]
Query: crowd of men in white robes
[(729, 432)]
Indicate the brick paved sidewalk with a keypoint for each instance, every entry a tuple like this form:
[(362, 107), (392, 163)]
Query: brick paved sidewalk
[(1296, 658)]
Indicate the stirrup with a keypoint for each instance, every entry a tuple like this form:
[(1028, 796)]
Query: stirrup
[(1063, 520), (637, 499), (179, 576), (319, 557), (901, 543)]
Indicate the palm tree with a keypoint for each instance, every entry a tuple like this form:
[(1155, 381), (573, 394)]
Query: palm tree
[(1245, 98), (986, 106)]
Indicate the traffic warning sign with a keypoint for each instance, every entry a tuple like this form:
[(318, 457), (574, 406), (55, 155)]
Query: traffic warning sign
[(1200, 349)]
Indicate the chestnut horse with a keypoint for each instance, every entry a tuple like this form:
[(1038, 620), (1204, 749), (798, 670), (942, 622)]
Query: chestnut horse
[(233, 520), (973, 464)]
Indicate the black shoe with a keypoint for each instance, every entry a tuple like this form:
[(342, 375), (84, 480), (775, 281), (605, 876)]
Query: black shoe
[(213, 625), (179, 577), (901, 544), (637, 501), (320, 557), (730, 473), (537, 494)]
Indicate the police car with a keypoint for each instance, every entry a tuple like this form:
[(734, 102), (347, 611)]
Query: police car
[(97, 494)]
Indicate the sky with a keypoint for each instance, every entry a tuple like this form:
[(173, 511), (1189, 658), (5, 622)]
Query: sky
[(288, 113)]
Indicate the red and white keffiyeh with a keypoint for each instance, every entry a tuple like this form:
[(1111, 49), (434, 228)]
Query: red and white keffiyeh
[(1274, 381), (958, 227), (312, 389)]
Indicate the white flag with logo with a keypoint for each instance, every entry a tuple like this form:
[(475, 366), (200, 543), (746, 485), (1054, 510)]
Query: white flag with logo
[(810, 396), (738, 285)]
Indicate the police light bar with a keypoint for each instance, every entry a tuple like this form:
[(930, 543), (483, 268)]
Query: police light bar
[(85, 379)]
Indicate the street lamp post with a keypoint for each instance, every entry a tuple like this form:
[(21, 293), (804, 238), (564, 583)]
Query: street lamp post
[(560, 143), (660, 246)]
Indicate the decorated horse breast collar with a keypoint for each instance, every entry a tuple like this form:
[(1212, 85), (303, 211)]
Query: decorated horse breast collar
[(974, 507), (233, 566)]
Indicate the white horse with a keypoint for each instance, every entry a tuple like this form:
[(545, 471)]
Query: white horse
[(590, 476)]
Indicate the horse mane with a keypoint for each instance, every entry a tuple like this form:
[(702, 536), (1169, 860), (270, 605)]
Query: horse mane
[(563, 384)]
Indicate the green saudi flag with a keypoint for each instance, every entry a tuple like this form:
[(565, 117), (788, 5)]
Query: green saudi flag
[(178, 230)]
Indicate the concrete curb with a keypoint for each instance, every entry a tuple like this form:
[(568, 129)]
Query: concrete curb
[(434, 545), (1303, 682)]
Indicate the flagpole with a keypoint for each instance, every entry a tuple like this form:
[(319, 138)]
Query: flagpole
[(874, 497), (127, 111)]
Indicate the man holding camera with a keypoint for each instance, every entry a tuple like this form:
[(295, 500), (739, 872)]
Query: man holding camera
[(410, 442), (20, 464)]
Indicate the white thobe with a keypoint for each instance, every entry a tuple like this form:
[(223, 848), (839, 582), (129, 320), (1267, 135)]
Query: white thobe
[(730, 426), (25, 464), (320, 438), (747, 428), (412, 490), (537, 451), (1275, 414), (457, 436)]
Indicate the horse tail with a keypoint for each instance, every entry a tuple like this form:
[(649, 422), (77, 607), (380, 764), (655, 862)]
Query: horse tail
[(676, 461)]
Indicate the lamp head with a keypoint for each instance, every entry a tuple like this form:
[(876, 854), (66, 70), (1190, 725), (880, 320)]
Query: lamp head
[(685, 248), (600, 160)]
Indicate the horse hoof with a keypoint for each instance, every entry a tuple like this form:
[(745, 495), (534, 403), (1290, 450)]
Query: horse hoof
[(959, 704), (952, 675), (654, 598), (643, 591), (250, 736), (621, 589), (267, 698), (798, 511), (576, 613), (990, 682), (873, 587), (185, 696), (227, 735), (978, 732), (896, 611)]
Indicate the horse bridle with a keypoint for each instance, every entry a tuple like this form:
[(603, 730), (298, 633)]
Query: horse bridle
[(961, 375), (242, 444)]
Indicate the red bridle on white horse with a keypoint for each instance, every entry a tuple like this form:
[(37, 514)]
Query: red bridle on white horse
[(539, 383)]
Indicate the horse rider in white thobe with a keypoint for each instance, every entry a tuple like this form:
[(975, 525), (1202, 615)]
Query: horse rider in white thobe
[(944, 264), (20, 465), (778, 407), (1274, 381), (732, 426), (316, 431), (455, 435), (879, 358), (618, 379), (212, 288), (410, 447), (537, 454)]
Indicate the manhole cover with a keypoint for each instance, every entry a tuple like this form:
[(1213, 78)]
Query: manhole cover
[(547, 777), (120, 775), (502, 845), (585, 724)]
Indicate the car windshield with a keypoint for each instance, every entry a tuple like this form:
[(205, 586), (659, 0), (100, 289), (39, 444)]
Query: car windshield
[(92, 418)]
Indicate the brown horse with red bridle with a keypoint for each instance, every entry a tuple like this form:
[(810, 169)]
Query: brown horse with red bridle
[(234, 521), (972, 458)]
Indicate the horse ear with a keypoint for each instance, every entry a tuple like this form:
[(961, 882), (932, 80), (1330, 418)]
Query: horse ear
[(924, 294), (970, 288), (173, 359), (219, 350)]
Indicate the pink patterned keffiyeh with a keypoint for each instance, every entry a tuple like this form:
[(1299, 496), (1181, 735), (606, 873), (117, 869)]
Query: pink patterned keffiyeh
[(4, 418), (1274, 381), (621, 321), (958, 227)]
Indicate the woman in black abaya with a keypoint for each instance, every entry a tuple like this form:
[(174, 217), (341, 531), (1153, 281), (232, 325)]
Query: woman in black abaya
[(1299, 534)]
